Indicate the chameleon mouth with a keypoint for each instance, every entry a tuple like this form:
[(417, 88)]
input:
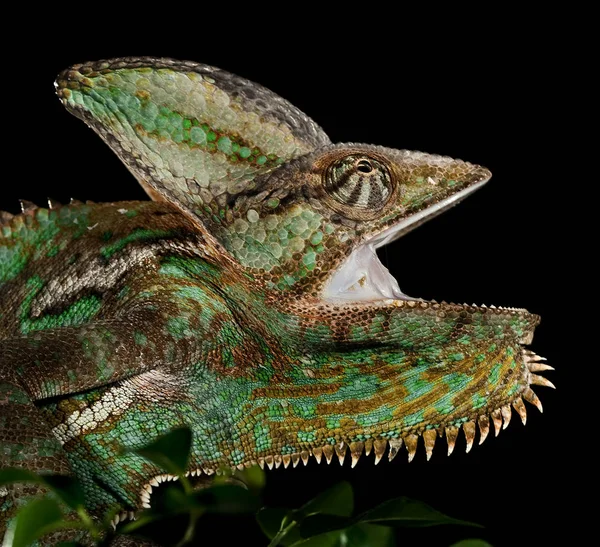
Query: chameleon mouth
[(363, 278)]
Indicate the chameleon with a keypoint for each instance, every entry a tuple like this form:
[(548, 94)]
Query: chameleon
[(245, 300)]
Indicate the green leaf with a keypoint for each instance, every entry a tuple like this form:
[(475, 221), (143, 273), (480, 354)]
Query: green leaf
[(144, 519), (8, 475), (359, 535), (171, 499), (175, 501), (407, 512), (471, 543), (403, 512), (67, 488), (337, 500), (331, 539), (36, 519), (369, 535), (253, 477), (171, 452)]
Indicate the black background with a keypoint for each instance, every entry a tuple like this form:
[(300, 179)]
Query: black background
[(497, 99)]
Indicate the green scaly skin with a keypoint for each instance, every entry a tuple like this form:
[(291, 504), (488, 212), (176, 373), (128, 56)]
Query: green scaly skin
[(212, 306)]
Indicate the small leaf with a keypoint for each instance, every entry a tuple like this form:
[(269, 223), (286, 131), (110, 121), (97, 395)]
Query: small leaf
[(273, 519), (226, 499), (67, 488), (171, 452), (359, 535), (402, 511), (471, 543), (331, 539), (171, 499), (253, 477), (369, 535), (337, 500), (9, 475), (142, 520), (176, 501), (36, 519), (409, 513)]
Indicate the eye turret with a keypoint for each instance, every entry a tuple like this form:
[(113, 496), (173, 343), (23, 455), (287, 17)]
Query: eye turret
[(359, 181)]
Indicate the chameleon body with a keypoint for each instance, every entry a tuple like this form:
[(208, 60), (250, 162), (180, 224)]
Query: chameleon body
[(245, 301)]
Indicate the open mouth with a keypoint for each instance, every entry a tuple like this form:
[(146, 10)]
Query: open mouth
[(363, 278)]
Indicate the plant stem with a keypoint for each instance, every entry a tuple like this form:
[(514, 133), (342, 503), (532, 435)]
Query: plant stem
[(281, 534), (89, 524), (189, 532)]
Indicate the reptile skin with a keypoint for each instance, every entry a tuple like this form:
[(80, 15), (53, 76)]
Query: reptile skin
[(245, 301)]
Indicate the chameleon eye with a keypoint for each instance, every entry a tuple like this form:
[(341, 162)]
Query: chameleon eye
[(359, 181)]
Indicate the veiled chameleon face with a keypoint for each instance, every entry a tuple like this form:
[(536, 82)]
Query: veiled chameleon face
[(316, 230)]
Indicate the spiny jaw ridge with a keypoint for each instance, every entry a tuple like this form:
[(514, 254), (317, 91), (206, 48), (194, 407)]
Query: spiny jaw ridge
[(500, 418), (363, 278), (122, 517), (157, 480)]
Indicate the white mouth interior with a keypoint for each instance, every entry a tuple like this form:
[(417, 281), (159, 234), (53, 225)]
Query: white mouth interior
[(362, 277)]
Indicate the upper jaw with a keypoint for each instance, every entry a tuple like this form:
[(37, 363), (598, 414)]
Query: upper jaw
[(363, 278)]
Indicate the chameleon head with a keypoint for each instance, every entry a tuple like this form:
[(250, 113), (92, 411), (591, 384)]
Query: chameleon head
[(346, 359), (315, 231)]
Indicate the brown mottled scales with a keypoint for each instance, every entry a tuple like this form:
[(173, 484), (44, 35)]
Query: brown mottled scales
[(245, 302)]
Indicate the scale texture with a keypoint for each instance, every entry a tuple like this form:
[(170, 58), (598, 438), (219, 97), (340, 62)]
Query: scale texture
[(205, 307)]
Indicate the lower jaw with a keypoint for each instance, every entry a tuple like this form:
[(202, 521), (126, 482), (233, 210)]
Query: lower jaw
[(387, 443), (384, 442), (353, 440)]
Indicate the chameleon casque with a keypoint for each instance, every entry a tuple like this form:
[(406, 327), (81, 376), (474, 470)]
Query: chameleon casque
[(245, 301)]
